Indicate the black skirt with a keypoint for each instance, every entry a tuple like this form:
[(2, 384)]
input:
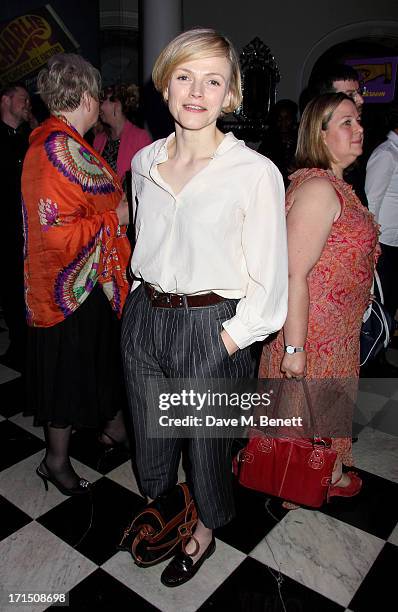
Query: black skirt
[(74, 373)]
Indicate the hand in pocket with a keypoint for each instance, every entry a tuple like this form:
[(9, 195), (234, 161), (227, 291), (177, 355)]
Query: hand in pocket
[(229, 343)]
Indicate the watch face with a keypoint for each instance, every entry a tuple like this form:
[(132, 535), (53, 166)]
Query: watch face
[(290, 350)]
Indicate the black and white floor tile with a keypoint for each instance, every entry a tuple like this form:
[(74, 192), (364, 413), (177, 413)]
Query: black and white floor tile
[(341, 558)]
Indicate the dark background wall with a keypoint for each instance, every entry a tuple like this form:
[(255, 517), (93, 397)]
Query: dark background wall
[(298, 32)]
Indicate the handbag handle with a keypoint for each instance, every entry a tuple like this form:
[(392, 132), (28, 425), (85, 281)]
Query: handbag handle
[(310, 408), (185, 532), (376, 282), (379, 287), (382, 315), (307, 399)]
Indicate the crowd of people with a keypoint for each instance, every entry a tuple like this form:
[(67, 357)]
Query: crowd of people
[(222, 258)]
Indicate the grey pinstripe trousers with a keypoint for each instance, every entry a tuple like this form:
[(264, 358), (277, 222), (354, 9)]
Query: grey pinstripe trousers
[(160, 343)]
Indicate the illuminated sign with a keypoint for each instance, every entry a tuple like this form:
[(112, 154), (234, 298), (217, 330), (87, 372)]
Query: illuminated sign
[(28, 41), (378, 76)]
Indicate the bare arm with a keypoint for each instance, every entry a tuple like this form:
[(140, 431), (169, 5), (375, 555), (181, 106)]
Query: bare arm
[(122, 211), (309, 222)]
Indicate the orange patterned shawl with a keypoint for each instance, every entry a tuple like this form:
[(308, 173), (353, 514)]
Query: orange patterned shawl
[(72, 236)]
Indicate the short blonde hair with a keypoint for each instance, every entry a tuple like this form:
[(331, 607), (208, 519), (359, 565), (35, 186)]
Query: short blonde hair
[(311, 151), (196, 44), (65, 79)]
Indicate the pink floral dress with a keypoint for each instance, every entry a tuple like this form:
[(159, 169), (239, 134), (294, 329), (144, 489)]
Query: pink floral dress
[(339, 288)]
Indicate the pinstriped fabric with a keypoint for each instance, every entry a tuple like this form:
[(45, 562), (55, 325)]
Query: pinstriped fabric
[(161, 343)]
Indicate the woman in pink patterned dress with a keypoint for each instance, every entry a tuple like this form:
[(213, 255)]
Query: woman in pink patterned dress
[(332, 243)]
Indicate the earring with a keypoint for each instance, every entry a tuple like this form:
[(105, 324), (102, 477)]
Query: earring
[(114, 111)]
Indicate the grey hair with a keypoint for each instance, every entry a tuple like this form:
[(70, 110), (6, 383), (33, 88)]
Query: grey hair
[(64, 81)]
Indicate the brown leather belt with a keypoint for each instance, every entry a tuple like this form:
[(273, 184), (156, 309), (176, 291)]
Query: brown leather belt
[(173, 300)]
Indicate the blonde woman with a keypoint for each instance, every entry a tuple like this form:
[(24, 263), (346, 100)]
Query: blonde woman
[(332, 242), (211, 268)]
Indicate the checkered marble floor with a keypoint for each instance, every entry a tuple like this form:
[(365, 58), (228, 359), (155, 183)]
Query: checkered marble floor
[(343, 557)]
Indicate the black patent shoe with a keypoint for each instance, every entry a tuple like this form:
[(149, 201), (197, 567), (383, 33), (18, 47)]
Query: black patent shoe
[(83, 487), (182, 568)]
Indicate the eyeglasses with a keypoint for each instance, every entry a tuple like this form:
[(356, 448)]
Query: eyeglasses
[(355, 93)]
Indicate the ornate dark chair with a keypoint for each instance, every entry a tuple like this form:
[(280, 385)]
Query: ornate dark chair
[(260, 75)]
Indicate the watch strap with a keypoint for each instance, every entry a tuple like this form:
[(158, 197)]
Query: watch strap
[(293, 349)]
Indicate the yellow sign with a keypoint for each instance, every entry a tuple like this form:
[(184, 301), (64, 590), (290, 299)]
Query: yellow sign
[(28, 41)]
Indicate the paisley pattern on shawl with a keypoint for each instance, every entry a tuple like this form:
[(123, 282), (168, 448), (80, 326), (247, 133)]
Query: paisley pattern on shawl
[(339, 288), (48, 213), (74, 283), (73, 238), (78, 164)]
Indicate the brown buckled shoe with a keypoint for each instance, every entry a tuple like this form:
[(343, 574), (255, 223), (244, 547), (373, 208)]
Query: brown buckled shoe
[(182, 568)]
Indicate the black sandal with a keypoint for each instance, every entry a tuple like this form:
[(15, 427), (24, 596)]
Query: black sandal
[(82, 488)]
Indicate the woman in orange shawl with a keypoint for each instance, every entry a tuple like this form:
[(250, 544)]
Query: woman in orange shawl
[(76, 254)]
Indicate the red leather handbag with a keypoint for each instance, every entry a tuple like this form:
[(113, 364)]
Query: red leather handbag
[(296, 469)]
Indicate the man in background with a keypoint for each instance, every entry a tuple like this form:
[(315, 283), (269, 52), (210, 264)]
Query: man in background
[(15, 111), (339, 78), (382, 191)]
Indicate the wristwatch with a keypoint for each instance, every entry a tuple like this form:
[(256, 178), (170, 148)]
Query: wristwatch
[(293, 349)]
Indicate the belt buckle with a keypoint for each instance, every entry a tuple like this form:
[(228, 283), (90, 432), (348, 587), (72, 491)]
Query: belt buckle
[(166, 299), (163, 298)]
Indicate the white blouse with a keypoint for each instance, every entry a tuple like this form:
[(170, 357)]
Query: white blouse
[(381, 188), (224, 232)]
